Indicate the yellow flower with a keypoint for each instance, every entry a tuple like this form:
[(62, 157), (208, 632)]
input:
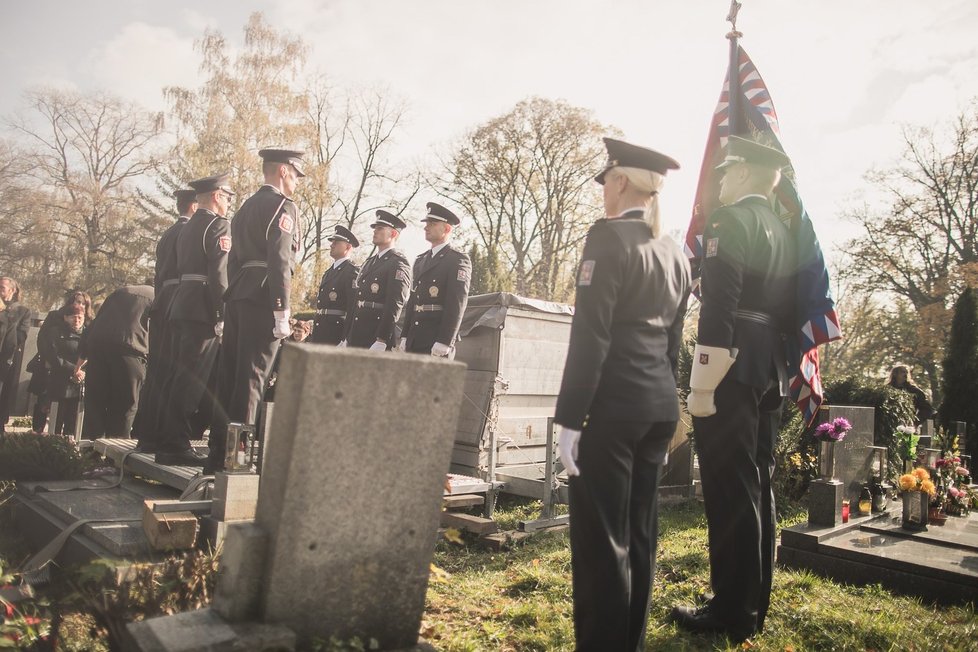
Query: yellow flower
[(929, 487), (908, 482), (921, 474)]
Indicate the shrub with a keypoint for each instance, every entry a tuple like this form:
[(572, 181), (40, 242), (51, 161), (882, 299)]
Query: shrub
[(27, 456)]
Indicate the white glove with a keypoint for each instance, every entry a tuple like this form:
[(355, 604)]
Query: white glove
[(281, 328), (342, 344), (402, 345), (378, 346), (219, 329), (440, 350), (567, 449), (710, 365)]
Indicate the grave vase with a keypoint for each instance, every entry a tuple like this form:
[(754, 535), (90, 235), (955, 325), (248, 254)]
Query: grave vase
[(826, 460), (915, 507)]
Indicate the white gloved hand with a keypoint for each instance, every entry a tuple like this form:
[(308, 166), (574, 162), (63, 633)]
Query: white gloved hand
[(567, 443), (342, 344), (710, 365), (378, 346), (219, 329), (282, 328), (402, 345), (440, 350)]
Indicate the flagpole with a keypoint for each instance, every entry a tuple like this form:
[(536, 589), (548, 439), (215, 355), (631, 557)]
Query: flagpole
[(735, 119)]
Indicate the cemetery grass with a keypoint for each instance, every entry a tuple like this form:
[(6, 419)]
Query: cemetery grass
[(520, 598)]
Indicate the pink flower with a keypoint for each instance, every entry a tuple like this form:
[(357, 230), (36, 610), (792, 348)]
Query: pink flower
[(962, 471)]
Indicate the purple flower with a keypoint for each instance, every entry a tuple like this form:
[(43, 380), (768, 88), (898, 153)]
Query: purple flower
[(833, 431)]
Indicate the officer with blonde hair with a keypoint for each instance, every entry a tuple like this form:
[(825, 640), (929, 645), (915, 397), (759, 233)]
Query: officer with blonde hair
[(617, 405)]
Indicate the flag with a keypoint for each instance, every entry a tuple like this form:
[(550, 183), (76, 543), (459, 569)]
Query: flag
[(747, 110)]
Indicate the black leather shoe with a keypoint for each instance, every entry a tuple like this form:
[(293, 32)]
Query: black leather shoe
[(187, 457), (703, 620), (142, 447)]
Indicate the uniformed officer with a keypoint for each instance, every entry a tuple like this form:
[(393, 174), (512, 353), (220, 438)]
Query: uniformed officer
[(738, 377), (197, 319), (266, 238), (336, 289), (115, 347), (440, 289), (159, 362), (617, 405), (382, 289)]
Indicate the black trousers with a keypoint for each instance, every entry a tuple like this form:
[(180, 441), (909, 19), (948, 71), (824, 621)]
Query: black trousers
[(112, 383), (736, 455), (247, 353), (613, 531), (190, 385), (152, 399)]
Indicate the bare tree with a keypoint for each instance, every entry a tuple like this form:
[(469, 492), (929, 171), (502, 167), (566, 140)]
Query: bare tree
[(923, 248), (85, 156), (525, 177)]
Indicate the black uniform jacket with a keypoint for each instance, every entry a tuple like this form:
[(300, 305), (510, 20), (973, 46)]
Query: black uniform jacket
[(202, 262), (122, 323), (266, 237), (336, 295), (442, 281), (749, 275), (166, 277), (60, 352), (15, 323), (382, 289), (632, 291)]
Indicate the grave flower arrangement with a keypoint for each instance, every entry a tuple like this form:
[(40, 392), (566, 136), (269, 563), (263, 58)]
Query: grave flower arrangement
[(906, 438), (834, 430), (918, 480)]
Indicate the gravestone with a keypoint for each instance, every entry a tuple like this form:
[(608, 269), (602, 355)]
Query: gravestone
[(853, 458), (351, 491)]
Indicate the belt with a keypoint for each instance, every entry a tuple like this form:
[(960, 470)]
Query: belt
[(338, 313), (428, 307), (193, 277), (370, 304), (757, 317), (171, 281), (254, 263)]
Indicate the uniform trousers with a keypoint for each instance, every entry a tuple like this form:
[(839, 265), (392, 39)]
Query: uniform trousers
[(189, 389), (246, 361), (151, 397), (112, 382), (736, 455), (613, 530)]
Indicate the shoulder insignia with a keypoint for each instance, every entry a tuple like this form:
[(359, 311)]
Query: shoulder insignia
[(463, 275), (586, 274), (286, 223), (401, 275), (711, 247), (224, 242)]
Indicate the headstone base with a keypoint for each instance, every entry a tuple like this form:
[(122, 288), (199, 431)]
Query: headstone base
[(205, 631), (825, 503)]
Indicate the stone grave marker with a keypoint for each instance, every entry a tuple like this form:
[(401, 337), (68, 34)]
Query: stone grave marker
[(853, 460)]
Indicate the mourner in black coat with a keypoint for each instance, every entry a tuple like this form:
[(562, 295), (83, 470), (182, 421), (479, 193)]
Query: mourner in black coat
[(159, 362), (618, 405), (337, 294), (266, 238), (59, 350), (15, 322), (382, 288), (738, 378), (439, 289), (115, 347), (196, 318)]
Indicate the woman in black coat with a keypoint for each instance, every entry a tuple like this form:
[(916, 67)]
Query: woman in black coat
[(39, 370), (15, 322), (60, 355)]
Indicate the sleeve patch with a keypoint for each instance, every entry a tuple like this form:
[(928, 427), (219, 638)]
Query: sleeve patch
[(224, 242), (463, 275), (286, 223), (401, 275), (711, 247), (705, 358), (586, 273)]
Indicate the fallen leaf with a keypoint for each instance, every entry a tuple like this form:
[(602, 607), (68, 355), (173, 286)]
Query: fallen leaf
[(453, 535)]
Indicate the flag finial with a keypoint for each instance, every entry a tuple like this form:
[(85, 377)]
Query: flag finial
[(732, 19)]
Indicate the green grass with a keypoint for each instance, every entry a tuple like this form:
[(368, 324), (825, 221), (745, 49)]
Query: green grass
[(520, 599)]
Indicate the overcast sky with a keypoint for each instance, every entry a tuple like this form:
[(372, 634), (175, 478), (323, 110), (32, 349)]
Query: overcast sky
[(844, 74)]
